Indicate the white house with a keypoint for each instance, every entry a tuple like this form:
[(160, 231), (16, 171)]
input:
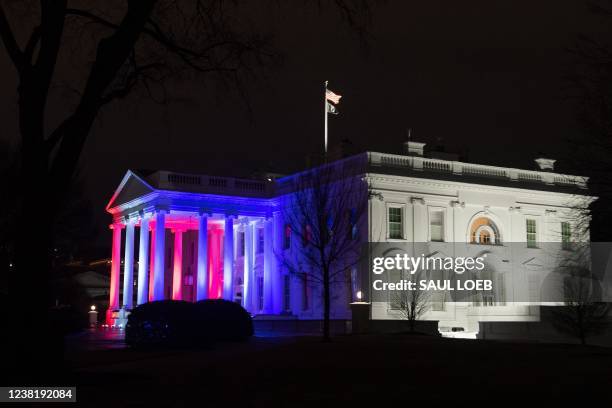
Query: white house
[(192, 237)]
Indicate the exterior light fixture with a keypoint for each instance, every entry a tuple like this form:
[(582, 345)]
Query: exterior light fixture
[(93, 308), (359, 295)]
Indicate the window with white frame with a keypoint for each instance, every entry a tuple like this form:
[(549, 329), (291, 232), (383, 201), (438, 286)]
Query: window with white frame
[(566, 235), (395, 223), (241, 243), (436, 224), (260, 240), (531, 233), (483, 231), (287, 237)]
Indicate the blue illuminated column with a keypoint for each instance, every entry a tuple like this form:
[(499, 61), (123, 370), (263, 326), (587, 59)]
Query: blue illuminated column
[(276, 278), (269, 266), (159, 263), (128, 266), (249, 290), (143, 262), (202, 288), (228, 258)]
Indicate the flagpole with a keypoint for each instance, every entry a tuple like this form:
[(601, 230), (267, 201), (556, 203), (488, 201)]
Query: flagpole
[(325, 110)]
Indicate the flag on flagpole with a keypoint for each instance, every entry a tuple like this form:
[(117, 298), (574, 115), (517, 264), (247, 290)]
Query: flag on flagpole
[(331, 100), (331, 109), (332, 97)]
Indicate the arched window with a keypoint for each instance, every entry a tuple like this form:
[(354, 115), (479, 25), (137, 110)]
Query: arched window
[(484, 232)]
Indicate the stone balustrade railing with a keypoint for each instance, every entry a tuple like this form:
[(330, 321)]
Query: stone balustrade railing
[(262, 188), (213, 184), (420, 163)]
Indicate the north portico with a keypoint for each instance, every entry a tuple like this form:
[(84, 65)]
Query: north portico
[(188, 240)]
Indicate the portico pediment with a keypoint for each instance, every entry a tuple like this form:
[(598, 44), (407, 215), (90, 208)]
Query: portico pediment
[(131, 187)]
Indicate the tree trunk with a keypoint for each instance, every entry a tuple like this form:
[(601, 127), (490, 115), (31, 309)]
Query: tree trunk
[(326, 305), (36, 352)]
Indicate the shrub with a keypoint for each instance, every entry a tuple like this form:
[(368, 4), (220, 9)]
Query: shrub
[(183, 324), (165, 322), (223, 320)]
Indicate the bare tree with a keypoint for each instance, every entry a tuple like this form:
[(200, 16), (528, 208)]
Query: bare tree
[(584, 313), (412, 304), (326, 208), (115, 48)]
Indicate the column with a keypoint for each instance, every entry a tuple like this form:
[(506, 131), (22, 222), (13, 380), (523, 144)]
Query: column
[(128, 266), (250, 287), (228, 259), (160, 240), (152, 263), (113, 303), (143, 262), (276, 278), (202, 285), (177, 271), (269, 266)]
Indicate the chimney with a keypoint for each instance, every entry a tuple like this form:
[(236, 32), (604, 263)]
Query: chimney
[(413, 148), (545, 164)]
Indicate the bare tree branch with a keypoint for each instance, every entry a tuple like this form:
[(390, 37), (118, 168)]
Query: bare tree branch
[(8, 38)]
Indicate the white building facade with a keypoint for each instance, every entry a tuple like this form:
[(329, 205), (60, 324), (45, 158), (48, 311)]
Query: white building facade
[(192, 237)]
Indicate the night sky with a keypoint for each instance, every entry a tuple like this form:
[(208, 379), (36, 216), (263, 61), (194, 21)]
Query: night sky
[(481, 77)]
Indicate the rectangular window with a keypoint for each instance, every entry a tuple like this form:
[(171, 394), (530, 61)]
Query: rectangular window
[(306, 235), (488, 300), (287, 293), (566, 235), (260, 240), (531, 233), (395, 223), (436, 225), (260, 293), (287, 237), (241, 243)]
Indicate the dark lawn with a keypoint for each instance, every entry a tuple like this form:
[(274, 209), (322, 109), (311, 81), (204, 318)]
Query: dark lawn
[(351, 371)]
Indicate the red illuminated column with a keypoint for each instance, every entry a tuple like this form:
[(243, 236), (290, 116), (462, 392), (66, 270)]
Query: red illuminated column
[(113, 302), (250, 288), (152, 264), (228, 258), (128, 266), (202, 288), (215, 263), (177, 272)]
